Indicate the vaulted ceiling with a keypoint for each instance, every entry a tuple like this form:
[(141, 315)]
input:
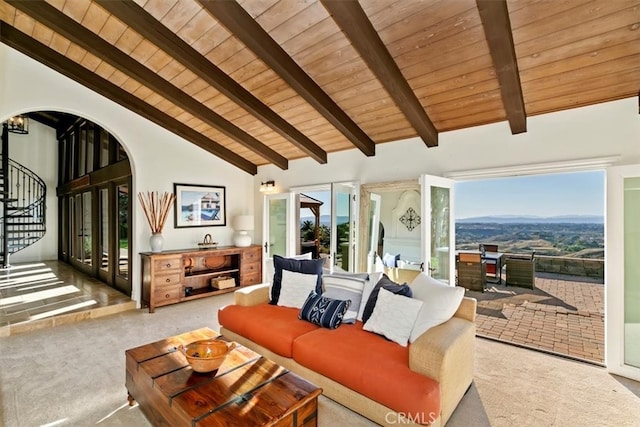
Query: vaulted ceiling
[(268, 81)]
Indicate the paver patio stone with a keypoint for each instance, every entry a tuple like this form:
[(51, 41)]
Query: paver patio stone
[(562, 314)]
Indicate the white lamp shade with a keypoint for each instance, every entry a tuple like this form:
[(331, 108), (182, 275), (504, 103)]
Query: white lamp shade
[(243, 223)]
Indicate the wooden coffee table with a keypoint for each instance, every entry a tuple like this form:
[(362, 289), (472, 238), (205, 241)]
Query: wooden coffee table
[(247, 390)]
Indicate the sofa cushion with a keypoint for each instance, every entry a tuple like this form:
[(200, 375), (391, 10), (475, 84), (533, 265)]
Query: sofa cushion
[(270, 326), (374, 278), (305, 266), (323, 311), (393, 316), (295, 288), (345, 287), (371, 366), (389, 285), (440, 302)]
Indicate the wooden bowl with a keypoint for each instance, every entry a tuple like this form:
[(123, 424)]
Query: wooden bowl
[(206, 355)]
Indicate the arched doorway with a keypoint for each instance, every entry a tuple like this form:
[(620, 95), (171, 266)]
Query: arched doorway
[(94, 204)]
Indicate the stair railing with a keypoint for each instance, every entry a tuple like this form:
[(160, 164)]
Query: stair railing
[(24, 219)]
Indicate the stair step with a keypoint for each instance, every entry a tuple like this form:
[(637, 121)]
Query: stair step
[(17, 223), (19, 216), (32, 230), (15, 239)]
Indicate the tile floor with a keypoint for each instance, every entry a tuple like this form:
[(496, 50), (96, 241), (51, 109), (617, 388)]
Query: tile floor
[(44, 294)]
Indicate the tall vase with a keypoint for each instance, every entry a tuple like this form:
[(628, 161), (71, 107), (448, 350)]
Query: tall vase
[(155, 241)]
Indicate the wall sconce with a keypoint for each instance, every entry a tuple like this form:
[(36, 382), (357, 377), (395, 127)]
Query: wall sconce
[(267, 187), (18, 124)]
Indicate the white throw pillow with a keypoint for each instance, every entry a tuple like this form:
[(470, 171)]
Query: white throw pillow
[(366, 291), (441, 301), (295, 288), (393, 316)]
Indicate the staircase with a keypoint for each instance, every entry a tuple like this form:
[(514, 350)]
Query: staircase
[(22, 201)]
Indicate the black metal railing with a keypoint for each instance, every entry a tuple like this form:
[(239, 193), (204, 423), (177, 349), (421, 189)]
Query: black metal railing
[(24, 207)]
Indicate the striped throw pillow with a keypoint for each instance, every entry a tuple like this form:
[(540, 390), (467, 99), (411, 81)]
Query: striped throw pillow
[(345, 287)]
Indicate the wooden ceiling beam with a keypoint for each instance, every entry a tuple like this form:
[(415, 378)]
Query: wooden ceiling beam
[(59, 22), (52, 59), (497, 29), (363, 36), (246, 29), (146, 25)]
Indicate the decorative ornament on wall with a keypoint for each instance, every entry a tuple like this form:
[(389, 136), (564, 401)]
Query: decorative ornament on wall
[(410, 219)]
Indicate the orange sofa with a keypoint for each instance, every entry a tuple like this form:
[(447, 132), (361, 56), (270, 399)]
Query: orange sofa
[(385, 382)]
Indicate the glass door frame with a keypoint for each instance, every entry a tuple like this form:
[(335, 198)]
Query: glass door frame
[(615, 272), (353, 189), (290, 235), (426, 182), (122, 283)]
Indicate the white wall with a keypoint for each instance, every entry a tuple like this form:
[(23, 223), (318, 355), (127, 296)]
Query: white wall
[(609, 129), (158, 158), (38, 151)]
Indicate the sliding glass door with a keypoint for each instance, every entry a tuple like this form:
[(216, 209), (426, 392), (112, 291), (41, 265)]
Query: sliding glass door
[(622, 275)]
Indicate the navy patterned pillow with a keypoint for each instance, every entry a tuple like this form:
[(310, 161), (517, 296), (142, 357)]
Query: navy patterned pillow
[(323, 311)]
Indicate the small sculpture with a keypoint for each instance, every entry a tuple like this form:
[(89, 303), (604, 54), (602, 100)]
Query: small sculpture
[(208, 241)]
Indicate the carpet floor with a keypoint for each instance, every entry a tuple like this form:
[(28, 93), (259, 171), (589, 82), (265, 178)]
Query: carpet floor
[(73, 375)]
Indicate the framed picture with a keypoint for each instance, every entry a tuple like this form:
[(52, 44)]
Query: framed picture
[(199, 205)]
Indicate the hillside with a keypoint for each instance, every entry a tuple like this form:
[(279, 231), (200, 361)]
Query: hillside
[(581, 240)]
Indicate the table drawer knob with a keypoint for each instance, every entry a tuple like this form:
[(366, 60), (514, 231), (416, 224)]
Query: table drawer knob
[(167, 296), (168, 265)]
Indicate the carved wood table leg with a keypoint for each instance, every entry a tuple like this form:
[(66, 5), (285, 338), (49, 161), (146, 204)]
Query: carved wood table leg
[(131, 399)]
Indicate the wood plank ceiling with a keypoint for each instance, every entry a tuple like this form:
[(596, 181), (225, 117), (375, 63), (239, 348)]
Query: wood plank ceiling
[(268, 81)]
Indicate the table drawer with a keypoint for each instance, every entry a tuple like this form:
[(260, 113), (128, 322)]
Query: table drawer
[(167, 295), (251, 279), (253, 254), (167, 264), (166, 279), (251, 267)]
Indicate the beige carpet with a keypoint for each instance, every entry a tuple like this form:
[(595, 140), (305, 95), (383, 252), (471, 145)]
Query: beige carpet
[(73, 375)]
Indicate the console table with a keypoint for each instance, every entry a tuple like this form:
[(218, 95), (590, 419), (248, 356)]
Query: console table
[(170, 277)]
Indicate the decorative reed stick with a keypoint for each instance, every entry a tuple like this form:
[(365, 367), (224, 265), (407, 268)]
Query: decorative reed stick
[(156, 208)]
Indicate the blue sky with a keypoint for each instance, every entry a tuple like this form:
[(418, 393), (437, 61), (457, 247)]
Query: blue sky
[(576, 193)]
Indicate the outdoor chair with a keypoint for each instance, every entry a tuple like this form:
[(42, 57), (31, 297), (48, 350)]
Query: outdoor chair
[(521, 270), (472, 271), (492, 266)]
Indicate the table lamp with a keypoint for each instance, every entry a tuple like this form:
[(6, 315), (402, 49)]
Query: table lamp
[(242, 224)]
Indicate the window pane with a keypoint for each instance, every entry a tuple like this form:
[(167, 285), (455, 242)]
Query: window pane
[(90, 153), (123, 230), (104, 229), (104, 148), (82, 152), (78, 233), (86, 227), (631, 272), (72, 149)]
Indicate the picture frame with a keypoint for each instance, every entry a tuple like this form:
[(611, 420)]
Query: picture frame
[(199, 205)]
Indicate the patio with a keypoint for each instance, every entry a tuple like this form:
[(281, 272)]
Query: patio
[(564, 315)]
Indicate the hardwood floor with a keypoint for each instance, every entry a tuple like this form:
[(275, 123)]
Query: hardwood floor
[(50, 293)]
